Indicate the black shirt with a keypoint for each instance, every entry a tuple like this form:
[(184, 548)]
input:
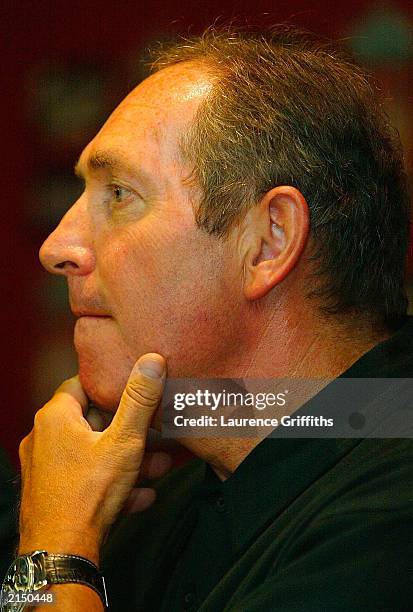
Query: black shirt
[(307, 525)]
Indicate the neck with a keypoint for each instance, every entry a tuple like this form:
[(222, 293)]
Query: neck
[(293, 344)]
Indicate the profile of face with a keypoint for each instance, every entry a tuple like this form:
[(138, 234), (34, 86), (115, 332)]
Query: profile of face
[(142, 276)]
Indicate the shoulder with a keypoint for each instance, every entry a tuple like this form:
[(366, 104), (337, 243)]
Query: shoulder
[(345, 543), (377, 474), (371, 486)]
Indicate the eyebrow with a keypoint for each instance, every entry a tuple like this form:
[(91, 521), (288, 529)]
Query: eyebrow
[(100, 160), (117, 163)]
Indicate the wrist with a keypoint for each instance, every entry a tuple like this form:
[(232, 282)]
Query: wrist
[(40, 570), (67, 543)]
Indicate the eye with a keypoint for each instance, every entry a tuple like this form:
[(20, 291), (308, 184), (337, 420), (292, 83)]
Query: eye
[(121, 200), (119, 193)]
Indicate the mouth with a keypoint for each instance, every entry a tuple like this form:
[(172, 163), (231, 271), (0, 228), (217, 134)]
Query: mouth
[(79, 314), (91, 316)]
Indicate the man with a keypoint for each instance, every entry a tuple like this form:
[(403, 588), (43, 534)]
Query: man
[(244, 215)]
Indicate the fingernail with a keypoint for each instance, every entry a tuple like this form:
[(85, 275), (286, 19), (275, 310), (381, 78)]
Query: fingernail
[(149, 366)]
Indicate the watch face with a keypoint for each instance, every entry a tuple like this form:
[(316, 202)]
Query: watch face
[(25, 575), (16, 580), (20, 570)]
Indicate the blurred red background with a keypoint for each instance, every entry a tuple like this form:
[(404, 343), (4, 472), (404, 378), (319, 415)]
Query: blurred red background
[(65, 66)]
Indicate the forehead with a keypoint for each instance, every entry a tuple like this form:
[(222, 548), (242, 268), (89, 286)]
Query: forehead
[(150, 121)]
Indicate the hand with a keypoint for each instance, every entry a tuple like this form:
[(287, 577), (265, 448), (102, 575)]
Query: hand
[(76, 480), (159, 458)]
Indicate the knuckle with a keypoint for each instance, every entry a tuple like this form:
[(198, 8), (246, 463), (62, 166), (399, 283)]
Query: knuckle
[(38, 418), (42, 415), (142, 394), (23, 448)]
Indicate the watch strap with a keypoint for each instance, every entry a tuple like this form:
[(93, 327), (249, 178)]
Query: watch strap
[(61, 569)]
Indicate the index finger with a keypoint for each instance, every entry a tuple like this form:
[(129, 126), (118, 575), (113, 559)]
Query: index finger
[(73, 388)]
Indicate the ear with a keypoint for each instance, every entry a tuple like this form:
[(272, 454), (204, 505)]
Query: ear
[(274, 239)]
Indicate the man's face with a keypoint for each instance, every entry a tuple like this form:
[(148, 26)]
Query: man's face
[(142, 277)]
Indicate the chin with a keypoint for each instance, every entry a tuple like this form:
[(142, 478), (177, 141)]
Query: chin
[(104, 394), (104, 362), (103, 380)]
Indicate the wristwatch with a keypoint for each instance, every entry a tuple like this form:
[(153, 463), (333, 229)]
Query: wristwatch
[(32, 573)]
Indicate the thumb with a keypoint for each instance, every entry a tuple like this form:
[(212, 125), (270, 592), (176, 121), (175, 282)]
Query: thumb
[(140, 397)]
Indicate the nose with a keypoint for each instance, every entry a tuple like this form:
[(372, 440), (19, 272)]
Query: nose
[(68, 250)]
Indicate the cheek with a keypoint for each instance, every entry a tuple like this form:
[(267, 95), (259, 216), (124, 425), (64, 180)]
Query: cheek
[(168, 296), (132, 269), (142, 279)]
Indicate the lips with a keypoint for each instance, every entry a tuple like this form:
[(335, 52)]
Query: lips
[(83, 305), (88, 310), (95, 315)]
